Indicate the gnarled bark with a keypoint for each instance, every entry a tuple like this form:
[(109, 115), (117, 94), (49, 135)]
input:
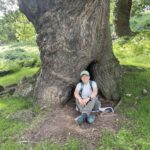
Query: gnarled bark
[(72, 35)]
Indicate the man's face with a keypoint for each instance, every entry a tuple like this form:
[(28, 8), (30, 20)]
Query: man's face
[(85, 79)]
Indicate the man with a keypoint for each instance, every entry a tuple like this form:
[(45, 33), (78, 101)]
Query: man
[(86, 98)]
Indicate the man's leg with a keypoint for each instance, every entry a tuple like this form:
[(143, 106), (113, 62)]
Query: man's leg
[(86, 111), (97, 104), (81, 118), (89, 107), (94, 104)]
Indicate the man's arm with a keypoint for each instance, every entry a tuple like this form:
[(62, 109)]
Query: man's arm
[(94, 92), (78, 97)]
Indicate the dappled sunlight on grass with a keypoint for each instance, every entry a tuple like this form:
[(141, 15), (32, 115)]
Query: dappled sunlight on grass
[(2, 106), (15, 56), (134, 51), (17, 76)]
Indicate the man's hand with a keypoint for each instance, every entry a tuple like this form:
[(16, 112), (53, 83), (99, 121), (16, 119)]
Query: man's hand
[(84, 101)]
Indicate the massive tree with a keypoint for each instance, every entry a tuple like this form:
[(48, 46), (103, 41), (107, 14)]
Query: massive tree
[(122, 17), (73, 35)]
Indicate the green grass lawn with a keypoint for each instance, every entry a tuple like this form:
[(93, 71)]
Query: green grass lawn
[(17, 76), (11, 128), (21, 59)]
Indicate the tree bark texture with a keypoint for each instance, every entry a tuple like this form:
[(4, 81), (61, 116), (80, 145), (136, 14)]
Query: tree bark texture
[(122, 17), (73, 35)]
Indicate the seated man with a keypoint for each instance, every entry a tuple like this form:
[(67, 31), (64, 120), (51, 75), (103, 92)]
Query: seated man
[(86, 98)]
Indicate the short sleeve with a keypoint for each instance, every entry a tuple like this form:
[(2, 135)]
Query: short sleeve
[(78, 87), (94, 85)]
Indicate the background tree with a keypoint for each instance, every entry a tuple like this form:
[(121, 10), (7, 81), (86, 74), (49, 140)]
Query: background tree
[(123, 10), (138, 6), (7, 6), (72, 36), (122, 17), (14, 26)]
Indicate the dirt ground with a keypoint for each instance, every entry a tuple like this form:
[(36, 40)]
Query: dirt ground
[(59, 126)]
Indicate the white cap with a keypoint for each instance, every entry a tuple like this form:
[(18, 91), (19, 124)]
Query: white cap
[(84, 72)]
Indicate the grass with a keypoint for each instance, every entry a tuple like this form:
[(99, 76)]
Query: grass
[(19, 59), (14, 56), (134, 51), (134, 132), (10, 128), (17, 76), (32, 47)]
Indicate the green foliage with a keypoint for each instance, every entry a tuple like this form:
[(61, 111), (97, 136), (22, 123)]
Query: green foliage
[(14, 26), (24, 29), (138, 6), (20, 59), (140, 22), (134, 51), (139, 18), (7, 27)]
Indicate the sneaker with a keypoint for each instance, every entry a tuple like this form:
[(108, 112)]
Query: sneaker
[(80, 119), (109, 110), (90, 118), (106, 109)]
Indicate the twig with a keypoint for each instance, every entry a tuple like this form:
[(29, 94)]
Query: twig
[(26, 142)]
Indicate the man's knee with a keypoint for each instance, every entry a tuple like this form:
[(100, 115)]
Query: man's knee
[(94, 99)]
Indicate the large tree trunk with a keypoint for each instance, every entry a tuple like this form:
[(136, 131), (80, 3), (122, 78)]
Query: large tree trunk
[(72, 35), (122, 17)]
